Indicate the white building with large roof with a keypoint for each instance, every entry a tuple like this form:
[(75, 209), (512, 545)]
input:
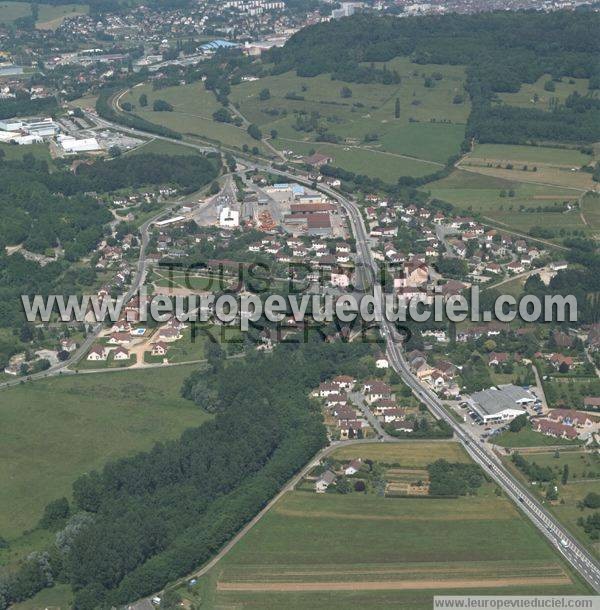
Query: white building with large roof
[(502, 403)]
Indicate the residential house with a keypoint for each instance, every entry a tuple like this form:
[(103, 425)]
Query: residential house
[(324, 481), (352, 467), (375, 390), (557, 430), (159, 348), (381, 361), (98, 352), (121, 353)]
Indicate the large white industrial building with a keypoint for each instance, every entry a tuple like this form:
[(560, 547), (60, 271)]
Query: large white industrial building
[(69, 144), (229, 218)]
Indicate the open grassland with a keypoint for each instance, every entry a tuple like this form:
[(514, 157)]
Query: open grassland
[(335, 551), (59, 597), (55, 430), (376, 164), (386, 552), (409, 454), (582, 465), (50, 17), (10, 11), (39, 151), (193, 107), (533, 95), (543, 155), (530, 204), (590, 212), (531, 164), (430, 126), (161, 147)]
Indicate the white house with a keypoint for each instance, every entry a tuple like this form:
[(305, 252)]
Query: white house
[(381, 361), (326, 479), (121, 353), (98, 352)]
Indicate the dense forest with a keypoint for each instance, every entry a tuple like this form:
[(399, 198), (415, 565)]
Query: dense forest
[(44, 210), (186, 172), (23, 106), (145, 520), (500, 50)]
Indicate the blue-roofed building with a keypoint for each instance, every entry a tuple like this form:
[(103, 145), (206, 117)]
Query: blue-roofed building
[(215, 45), (281, 186), (297, 190)]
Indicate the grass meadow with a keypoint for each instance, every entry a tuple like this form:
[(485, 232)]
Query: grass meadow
[(530, 205), (193, 107), (335, 551), (57, 429), (526, 96)]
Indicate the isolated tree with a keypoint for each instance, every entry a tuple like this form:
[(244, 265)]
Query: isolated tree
[(143, 100), (265, 94), (397, 108), (565, 474), (346, 92), (162, 106), (518, 423), (254, 132)]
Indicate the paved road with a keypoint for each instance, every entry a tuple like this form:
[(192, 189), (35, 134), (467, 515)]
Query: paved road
[(558, 535), (61, 368), (359, 400), (568, 546)]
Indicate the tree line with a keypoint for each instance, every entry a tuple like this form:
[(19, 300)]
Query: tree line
[(145, 520), (500, 51)]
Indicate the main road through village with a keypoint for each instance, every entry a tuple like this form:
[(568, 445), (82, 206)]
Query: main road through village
[(559, 537)]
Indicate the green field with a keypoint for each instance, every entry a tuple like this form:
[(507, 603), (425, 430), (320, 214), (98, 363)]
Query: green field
[(50, 17), (55, 430), (370, 138), (12, 151), (377, 164), (59, 597), (10, 11), (161, 147), (528, 207), (192, 115), (582, 465), (337, 551), (530, 154), (410, 454), (525, 97), (569, 509)]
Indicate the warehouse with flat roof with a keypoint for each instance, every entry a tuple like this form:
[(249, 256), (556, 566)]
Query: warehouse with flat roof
[(501, 403)]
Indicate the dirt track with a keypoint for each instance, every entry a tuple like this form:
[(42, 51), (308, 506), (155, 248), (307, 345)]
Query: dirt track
[(395, 585), (465, 516)]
